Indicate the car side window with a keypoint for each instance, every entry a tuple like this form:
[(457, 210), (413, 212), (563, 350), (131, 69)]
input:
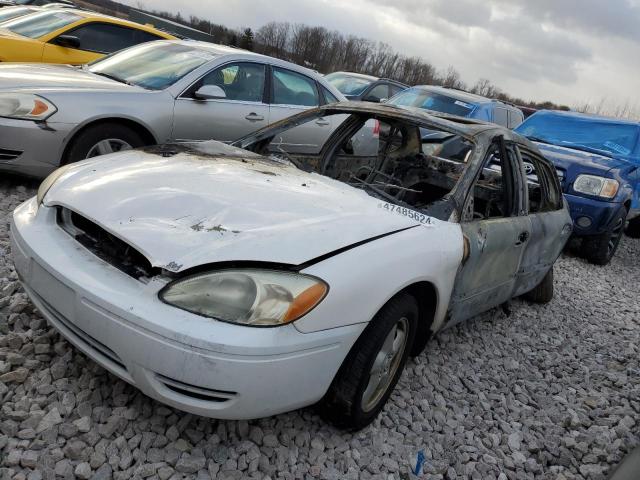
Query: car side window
[(328, 96), (500, 116), (377, 93), (515, 118), (107, 38), (242, 81), (495, 193), (542, 184), (394, 89), (291, 88)]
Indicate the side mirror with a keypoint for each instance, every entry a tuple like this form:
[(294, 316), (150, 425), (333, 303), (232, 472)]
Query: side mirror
[(67, 41), (372, 99), (209, 92)]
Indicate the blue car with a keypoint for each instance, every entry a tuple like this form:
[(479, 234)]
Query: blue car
[(460, 103), (598, 162)]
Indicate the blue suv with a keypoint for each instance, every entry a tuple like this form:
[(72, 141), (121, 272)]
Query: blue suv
[(598, 162), (460, 103)]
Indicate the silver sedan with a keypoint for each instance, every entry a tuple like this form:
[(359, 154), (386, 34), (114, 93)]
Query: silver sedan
[(51, 115)]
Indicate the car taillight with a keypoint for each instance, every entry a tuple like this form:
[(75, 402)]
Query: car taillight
[(376, 128)]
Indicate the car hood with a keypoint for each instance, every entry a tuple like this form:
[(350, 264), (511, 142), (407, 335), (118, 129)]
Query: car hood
[(187, 205), (575, 161), (14, 76)]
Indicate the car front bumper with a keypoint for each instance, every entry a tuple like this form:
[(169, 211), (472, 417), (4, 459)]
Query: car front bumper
[(598, 213), (189, 362), (31, 148)]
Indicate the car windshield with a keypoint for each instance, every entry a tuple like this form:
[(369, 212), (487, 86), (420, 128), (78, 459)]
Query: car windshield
[(154, 66), (39, 24), (421, 98), (349, 84), (595, 134), (13, 12)]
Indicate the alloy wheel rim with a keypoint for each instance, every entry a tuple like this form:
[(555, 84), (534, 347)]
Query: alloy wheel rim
[(386, 364), (108, 145)]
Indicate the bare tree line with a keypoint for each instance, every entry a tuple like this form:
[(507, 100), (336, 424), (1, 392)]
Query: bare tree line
[(328, 51)]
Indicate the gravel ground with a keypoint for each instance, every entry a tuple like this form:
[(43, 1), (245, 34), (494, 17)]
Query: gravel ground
[(548, 392)]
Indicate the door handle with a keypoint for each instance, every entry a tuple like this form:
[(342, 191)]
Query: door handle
[(322, 122), (522, 238), (254, 117)]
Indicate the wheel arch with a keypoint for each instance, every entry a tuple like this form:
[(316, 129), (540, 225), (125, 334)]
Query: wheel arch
[(426, 295), (143, 130)]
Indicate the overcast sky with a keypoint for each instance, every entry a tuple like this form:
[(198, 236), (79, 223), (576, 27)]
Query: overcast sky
[(567, 51)]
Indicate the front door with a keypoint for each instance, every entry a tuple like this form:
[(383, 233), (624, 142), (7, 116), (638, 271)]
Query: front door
[(496, 235), (241, 112)]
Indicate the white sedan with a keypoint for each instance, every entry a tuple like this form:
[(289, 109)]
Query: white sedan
[(243, 281)]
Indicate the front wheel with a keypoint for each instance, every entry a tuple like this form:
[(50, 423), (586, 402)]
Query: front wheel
[(600, 249), (371, 370), (633, 229), (103, 139)]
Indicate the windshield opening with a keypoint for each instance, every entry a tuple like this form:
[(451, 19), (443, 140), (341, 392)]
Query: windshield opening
[(421, 98), (38, 25), (153, 66), (349, 84), (593, 134), (392, 160)]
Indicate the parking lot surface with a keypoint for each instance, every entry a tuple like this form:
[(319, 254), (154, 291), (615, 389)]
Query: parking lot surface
[(549, 391)]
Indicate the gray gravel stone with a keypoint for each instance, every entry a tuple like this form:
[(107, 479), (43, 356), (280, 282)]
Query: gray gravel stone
[(83, 471), (550, 392)]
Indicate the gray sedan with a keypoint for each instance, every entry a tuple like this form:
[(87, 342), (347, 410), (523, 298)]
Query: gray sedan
[(157, 92)]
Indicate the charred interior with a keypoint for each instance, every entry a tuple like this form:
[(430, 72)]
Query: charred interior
[(391, 159)]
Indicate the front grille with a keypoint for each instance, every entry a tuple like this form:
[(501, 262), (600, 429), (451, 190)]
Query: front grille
[(7, 155), (193, 391), (106, 246), (99, 351)]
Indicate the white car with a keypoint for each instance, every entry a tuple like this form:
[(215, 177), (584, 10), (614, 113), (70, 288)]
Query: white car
[(237, 285)]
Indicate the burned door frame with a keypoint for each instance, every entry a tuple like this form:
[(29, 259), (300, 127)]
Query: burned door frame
[(548, 224), (495, 246)]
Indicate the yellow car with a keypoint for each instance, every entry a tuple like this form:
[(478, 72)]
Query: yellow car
[(70, 36)]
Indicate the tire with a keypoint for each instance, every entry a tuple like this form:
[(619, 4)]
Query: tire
[(543, 292), (600, 249), (633, 229), (356, 397), (98, 139)]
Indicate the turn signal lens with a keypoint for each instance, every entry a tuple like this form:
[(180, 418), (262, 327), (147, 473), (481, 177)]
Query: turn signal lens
[(305, 302)]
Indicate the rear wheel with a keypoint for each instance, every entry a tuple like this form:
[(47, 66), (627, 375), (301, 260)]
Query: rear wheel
[(103, 139), (371, 370), (543, 292), (633, 229), (600, 249)]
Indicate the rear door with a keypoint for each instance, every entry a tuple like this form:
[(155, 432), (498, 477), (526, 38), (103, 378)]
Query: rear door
[(550, 223), (243, 111), (292, 93), (496, 234)]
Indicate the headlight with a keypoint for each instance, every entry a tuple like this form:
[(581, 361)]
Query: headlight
[(25, 106), (247, 296), (596, 186), (49, 182)]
